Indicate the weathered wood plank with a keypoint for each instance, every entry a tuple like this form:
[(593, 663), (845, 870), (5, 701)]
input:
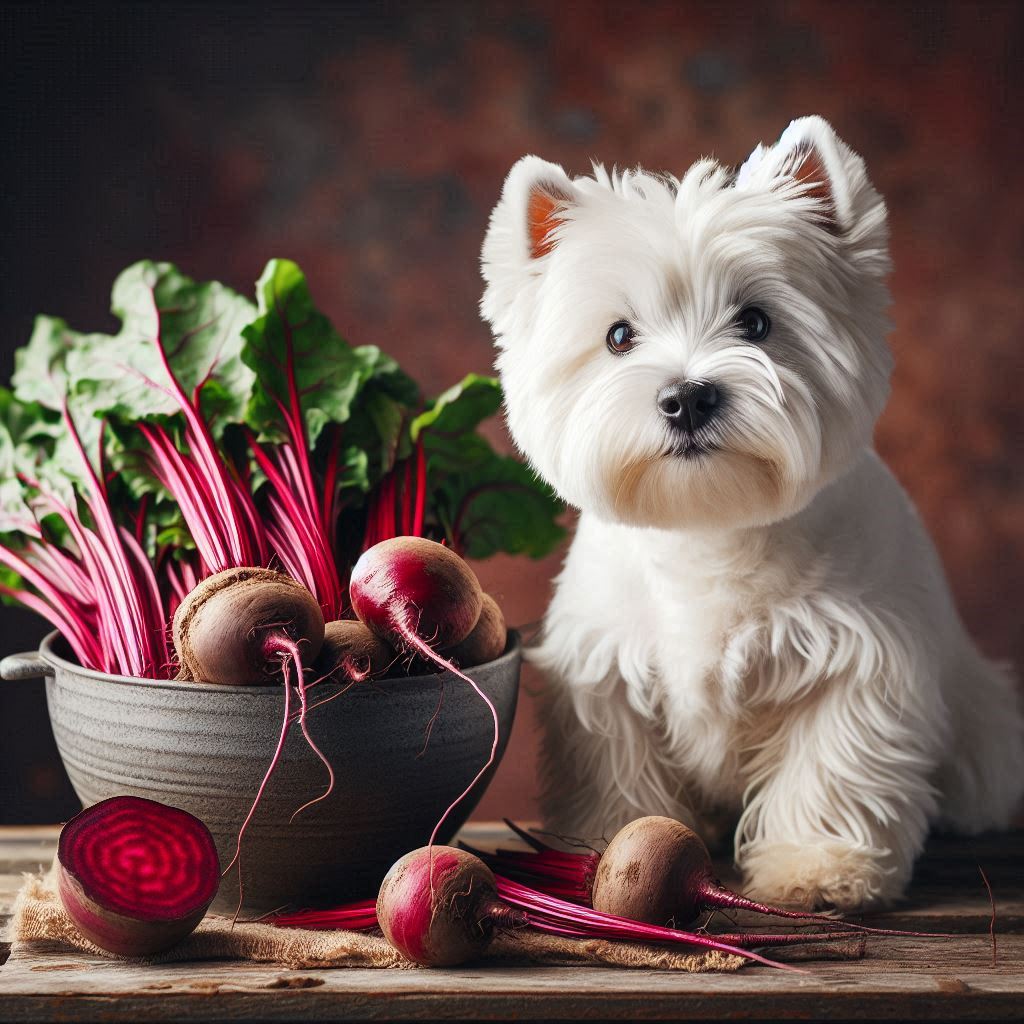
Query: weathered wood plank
[(888, 962), (78, 988)]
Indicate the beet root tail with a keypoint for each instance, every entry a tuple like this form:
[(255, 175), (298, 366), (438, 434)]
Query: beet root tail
[(711, 894), (418, 644)]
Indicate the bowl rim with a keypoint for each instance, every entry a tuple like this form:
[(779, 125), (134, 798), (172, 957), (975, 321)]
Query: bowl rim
[(512, 652)]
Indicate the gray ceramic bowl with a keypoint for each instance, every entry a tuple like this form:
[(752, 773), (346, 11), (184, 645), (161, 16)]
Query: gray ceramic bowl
[(205, 748)]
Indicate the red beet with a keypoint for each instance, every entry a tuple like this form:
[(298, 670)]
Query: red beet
[(136, 876), (439, 906), (416, 593)]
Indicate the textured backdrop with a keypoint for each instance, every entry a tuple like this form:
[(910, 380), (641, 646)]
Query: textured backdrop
[(369, 142)]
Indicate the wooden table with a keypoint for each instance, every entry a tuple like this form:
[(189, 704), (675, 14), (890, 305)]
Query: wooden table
[(898, 979)]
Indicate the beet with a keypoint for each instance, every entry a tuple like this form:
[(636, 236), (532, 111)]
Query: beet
[(231, 627), (439, 906), (136, 876), (487, 639), (410, 588), (655, 870), (351, 651), (251, 625)]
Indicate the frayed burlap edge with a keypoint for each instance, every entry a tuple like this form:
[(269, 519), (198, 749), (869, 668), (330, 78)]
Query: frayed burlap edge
[(554, 950), (39, 918)]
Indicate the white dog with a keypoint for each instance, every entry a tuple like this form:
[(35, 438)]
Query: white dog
[(751, 620)]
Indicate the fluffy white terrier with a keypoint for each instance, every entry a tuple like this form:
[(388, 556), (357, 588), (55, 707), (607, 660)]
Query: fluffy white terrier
[(751, 622)]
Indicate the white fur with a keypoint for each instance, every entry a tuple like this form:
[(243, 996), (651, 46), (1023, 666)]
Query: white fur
[(763, 631)]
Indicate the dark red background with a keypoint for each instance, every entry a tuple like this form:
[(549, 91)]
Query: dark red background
[(369, 143)]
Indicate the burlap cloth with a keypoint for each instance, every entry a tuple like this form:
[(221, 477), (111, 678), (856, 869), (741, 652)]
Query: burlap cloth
[(39, 917)]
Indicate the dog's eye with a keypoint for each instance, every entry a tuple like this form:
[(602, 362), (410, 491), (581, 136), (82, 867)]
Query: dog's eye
[(620, 337), (754, 324)]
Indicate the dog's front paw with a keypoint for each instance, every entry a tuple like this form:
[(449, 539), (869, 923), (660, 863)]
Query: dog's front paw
[(819, 873)]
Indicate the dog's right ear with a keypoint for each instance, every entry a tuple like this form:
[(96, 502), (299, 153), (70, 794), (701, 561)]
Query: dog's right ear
[(534, 193), (524, 228)]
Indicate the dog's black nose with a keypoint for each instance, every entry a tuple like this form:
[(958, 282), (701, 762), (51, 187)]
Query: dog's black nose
[(688, 404)]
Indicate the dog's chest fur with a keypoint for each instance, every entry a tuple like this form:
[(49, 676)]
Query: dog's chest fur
[(684, 617), (711, 599), (698, 615)]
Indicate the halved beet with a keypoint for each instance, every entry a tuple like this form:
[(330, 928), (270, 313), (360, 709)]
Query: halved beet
[(136, 876)]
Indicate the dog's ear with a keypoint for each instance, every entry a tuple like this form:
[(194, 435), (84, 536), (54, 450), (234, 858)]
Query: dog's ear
[(811, 162), (534, 193), (524, 228), (544, 200)]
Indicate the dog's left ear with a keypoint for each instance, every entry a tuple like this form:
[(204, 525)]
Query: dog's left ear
[(811, 161)]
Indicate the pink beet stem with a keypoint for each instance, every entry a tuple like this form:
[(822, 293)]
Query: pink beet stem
[(330, 487), (421, 489), (756, 939), (361, 915), (358, 916), (546, 913)]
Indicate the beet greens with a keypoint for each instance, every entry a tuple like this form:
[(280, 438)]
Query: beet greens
[(210, 433)]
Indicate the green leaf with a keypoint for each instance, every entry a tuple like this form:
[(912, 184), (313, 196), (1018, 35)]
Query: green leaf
[(461, 408), (490, 502), (504, 507), (122, 378), (42, 384), (29, 435), (9, 578), (486, 502), (196, 327), (298, 357), (40, 367), (354, 470), (378, 421)]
